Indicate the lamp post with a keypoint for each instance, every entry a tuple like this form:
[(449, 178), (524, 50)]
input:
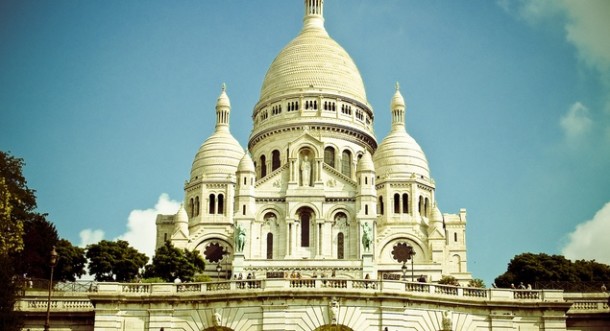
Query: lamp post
[(52, 263), (218, 270)]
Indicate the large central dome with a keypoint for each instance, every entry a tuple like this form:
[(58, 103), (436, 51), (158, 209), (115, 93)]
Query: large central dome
[(313, 61)]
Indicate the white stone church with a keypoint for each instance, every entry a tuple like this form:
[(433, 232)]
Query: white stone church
[(314, 193), (314, 225)]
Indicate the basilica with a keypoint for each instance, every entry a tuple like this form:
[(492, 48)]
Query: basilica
[(313, 192), (315, 225)]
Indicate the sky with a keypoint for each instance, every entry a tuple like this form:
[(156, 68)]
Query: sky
[(108, 102)]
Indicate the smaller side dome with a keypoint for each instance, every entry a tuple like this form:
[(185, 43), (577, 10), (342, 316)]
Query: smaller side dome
[(220, 154), (246, 164), (365, 163)]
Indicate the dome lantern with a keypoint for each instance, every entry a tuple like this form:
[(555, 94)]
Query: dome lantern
[(398, 108)]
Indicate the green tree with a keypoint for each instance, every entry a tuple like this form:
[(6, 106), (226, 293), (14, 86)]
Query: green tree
[(39, 238), (71, 262), (170, 262), (448, 280), (17, 206), (529, 268), (477, 282), (114, 261)]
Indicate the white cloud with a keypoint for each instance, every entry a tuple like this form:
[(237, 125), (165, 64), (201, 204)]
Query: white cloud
[(141, 228), (89, 236), (590, 239), (587, 28), (576, 122)]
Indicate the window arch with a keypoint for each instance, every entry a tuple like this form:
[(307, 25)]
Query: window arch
[(380, 205), (212, 206), (305, 216), (263, 166), (405, 203), (396, 203), (221, 204), (191, 208), (329, 156), (197, 206), (275, 159), (346, 163)]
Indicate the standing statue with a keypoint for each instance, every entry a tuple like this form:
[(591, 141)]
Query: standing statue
[(367, 237), (447, 323), (305, 171), (240, 238)]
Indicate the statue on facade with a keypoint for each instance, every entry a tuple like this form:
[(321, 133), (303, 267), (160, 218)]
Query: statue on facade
[(333, 311), (240, 238), (305, 171), (217, 318), (447, 323), (367, 237)]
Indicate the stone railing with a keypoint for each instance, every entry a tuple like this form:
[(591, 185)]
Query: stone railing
[(37, 301), (289, 284), (586, 303)]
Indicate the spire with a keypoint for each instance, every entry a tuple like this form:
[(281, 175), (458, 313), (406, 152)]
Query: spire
[(223, 109), (397, 107), (314, 14)]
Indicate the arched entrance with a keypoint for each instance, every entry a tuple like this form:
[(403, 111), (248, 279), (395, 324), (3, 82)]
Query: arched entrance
[(217, 328), (329, 327)]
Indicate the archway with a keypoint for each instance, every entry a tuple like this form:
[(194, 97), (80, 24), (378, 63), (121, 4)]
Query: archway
[(337, 327), (217, 328)]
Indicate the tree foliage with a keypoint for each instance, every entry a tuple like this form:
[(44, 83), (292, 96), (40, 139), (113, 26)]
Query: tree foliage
[(529, 268), (9, 319), (17, 203), (71, 262), (170, 262), (114, 261), (38, 240), (448, 280), (476, 282)]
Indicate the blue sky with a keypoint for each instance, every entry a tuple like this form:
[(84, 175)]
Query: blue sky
[(108, 102)]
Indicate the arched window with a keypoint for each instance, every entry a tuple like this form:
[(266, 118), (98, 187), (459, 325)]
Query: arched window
[(275, 159), (346, 163), (263, 166), (420, 204), (197, 206), (426, 205), (243, 210), (305, 218), (340, 246), (329, 156), (192, 207), (366, 209), (455, 236), (380, 205), (212, 207), (405, 203), (269, 246), (221, 204), (396, 203)]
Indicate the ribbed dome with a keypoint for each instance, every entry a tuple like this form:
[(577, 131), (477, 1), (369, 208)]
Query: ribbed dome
[(399, 155), (220, 153), (313, 61)]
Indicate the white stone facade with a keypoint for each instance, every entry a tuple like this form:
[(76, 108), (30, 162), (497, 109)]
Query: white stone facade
[(312, 177)]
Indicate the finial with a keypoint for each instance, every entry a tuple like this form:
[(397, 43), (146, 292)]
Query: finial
[(224, 87), (397, 86)]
